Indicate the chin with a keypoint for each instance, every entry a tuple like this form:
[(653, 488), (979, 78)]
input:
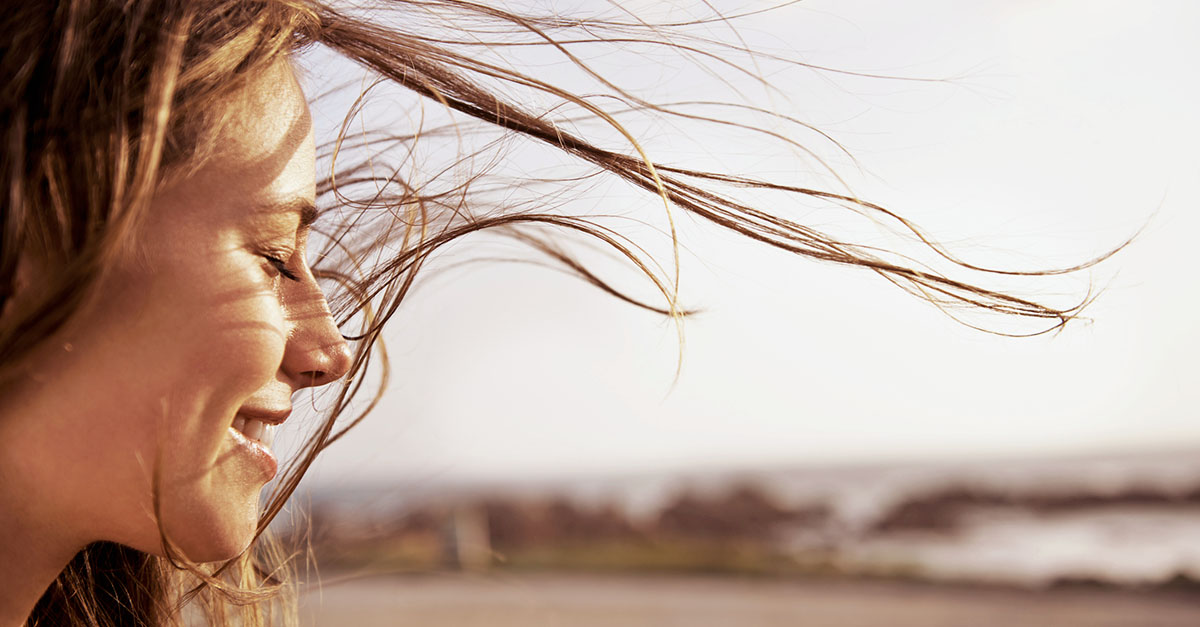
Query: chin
[(207, 530)]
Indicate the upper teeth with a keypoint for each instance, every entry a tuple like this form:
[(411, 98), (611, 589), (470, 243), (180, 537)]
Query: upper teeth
[(255, 429)]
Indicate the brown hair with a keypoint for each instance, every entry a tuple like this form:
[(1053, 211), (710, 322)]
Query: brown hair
[(103, 99)]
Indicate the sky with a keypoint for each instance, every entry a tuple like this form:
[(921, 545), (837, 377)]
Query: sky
[(1068, 125)]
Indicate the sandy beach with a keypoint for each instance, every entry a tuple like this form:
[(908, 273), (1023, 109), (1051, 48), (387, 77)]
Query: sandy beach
[(548, 600)]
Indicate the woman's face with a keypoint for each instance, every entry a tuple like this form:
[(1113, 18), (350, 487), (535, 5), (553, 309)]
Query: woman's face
[(204, 333)]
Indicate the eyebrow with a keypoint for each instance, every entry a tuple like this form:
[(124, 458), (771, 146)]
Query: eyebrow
[(302, 206)]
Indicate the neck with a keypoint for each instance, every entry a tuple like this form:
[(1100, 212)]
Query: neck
[(32, 553), (38, 538)]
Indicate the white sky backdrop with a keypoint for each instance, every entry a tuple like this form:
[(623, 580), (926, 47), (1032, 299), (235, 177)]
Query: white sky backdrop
[(1071, 124)]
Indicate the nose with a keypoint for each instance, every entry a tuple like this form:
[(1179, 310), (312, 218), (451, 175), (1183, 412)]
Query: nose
[(316, 353)]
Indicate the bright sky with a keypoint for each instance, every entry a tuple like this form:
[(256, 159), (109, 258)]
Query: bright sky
[(1072, 123)]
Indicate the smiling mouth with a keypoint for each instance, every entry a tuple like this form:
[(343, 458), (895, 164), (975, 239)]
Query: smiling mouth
[(256, 430)]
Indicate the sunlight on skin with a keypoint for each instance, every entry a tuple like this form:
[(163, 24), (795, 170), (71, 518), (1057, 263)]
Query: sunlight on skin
[(201, 324)]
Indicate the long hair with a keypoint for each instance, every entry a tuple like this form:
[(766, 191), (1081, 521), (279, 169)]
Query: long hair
[(104, 100)]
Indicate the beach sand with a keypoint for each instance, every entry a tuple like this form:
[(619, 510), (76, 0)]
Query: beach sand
[(548, 600)]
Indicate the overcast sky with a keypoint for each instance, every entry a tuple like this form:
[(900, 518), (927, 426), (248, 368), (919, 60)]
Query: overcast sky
[(1072, 123)]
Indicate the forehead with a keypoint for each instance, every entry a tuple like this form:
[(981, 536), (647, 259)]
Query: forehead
[(262, 159), (266, 121)]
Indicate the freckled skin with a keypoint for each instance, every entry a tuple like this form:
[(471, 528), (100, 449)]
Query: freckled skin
[(193, 327)]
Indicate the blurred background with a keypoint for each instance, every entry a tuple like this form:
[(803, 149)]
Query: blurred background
[(833, 451)]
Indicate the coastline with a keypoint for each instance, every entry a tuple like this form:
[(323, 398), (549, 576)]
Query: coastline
[(583, 600)]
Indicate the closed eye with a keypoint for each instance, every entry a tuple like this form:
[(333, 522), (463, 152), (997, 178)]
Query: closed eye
[(280, 266)]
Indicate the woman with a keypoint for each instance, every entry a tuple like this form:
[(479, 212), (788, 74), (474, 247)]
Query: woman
[(157, 308)]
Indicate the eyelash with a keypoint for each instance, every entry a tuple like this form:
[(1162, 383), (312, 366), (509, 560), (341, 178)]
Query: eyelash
[(281, 267)]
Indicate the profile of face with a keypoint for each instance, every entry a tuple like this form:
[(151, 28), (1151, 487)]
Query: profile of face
[(205, 330)]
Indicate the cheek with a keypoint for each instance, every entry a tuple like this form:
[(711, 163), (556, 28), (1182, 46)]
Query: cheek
[(238, 349), (208, 344), (210, 497), (152, 381), (229, 351), (223, 331)]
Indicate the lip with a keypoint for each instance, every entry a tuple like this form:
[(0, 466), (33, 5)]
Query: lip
[(265, 414), (255, 449), (260, 452)]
